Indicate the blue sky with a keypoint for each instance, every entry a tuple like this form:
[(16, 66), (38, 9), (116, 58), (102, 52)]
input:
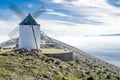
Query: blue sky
[(81, 17), (55, 10)]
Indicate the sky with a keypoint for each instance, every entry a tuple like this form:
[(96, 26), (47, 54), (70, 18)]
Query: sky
[(91, 25), (65, 18)]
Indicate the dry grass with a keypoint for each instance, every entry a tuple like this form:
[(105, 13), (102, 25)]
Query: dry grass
[(54, 51), (44, 50), (5, 50)]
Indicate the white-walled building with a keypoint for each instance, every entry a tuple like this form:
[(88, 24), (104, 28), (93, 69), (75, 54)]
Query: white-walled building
[(29, 34)]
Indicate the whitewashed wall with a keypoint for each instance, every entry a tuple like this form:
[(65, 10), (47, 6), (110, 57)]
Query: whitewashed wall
[(26, 37)]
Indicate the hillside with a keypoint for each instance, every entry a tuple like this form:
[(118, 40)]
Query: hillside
[(32, 65), (79, 54)]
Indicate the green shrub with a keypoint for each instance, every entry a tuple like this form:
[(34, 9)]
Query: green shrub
[(90, 78)]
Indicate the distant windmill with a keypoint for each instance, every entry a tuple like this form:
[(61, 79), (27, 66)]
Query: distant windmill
[(29, 29)]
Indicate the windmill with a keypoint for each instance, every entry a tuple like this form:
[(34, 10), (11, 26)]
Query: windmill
[(29, 29)]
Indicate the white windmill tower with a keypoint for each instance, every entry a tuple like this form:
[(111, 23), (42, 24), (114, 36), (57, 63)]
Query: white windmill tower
[(29, 29)]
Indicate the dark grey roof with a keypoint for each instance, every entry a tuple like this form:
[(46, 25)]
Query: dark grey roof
[(29, 21)]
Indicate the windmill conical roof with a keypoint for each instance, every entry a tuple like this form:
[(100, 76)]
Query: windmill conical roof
[(29, 20)]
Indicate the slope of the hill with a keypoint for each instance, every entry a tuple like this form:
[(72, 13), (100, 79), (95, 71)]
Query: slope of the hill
[(31, 65), (85, 57)]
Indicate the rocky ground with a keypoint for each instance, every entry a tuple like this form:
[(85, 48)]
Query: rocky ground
[(32, 65)]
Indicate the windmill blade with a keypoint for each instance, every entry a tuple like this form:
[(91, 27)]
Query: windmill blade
[(14, 32), (17, 11), (38, 12)]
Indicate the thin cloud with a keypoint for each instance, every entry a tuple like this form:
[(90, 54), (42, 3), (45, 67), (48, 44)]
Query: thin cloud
[(57, 1), (58, 28), (30, 5), (59, 14), (92, 10), (52, 12), (117, 34)]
